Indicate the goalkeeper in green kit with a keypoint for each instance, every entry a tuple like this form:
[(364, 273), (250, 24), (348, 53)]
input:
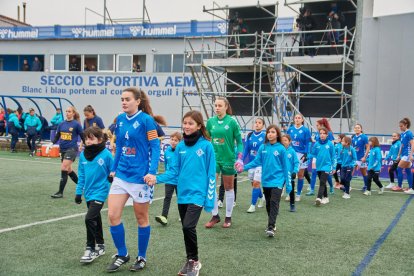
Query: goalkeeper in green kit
[(225, 133)]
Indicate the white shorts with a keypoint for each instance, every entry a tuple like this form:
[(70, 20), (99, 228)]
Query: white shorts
[(362, 165), (255, 174), (302, 165), (406, 158), (140, 193)]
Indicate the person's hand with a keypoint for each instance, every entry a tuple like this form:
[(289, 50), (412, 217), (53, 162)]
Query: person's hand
[(78, 199), (293, 176), (363, 159), (304, 157), (150, 179), (111, 177), (239, 165)]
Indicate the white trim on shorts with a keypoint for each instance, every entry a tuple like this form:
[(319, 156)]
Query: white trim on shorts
[(361, 165), (406, 158), (302, 165), (140, 193), (255, 174)]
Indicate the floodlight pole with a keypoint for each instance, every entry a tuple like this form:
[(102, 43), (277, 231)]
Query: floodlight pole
[(357, 63)]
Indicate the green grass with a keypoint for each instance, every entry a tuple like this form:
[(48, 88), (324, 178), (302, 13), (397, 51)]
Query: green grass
[(330, 240)]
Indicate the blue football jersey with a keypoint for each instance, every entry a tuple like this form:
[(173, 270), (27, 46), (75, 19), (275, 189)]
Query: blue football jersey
[(137, 147), (300, 138), (359, 142), (406, 138), (252, 145)]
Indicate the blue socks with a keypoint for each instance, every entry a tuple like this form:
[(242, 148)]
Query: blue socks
[(300, 186), (143, 240), (256, 193), (400, 176), (313, 179), (365, 180), (409, 177), (118, 235)]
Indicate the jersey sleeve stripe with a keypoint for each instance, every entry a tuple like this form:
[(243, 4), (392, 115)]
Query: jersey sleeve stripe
[(152, 134)]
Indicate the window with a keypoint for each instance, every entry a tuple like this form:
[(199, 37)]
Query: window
[(75, 62), (59, 63), (90, 63), (125, 63), (106, 63), (139, 63), (178, 63), (162, 63)]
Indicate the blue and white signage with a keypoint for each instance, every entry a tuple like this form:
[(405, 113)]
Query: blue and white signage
[(156, 30)]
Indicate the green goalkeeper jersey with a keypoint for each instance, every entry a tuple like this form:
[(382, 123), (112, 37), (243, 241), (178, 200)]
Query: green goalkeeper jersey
[(225, 135)]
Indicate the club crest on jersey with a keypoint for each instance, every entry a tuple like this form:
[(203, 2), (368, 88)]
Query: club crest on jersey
[(327, 147), (199, 152), (71, 129), (300, 131), (226, 127), (121, 124), (260, 139), (289, 156), (275, 153), (101, 162), (136, 124)]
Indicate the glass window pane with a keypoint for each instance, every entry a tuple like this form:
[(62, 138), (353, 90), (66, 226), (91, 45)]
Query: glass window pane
[(162, 63), (59, 62), (90, 63), (106, 62), (178, 63), (125, 63), (75, 62), (139, 63)]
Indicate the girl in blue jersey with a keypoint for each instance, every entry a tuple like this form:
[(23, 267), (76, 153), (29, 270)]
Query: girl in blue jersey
[(405, 155), (374, 166), (321, 123), (338, 149), (253, 142), (272, 157), (91, 119), (137, 155), (14, 128), (348, 159), (68, 133), (361, 145), (324, 152), (95, 164), (293, 167), (195, 173), (169, 161), (392, 158), (301, 137), (32, 126)]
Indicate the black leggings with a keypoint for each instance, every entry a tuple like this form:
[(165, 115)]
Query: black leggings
[(190, 214), (323, 192), (93, 221), (169, 191), (373, 175), (272, 196), (392, 170)]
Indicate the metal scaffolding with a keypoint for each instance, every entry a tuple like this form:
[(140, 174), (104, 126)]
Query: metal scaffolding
[(278, 73)]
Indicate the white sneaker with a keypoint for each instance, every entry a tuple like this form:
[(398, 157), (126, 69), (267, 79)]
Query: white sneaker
[(297, 198), (346, 196), (287, 198), (325, 200), (367, 193), (381, 191), (261, 202), (220, 204), (318, 202), (251, 209), (409, 192), (99, 250), (389, 186), (88, 256)]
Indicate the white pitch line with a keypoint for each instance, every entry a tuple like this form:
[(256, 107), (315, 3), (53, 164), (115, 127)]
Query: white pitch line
[(62, 218), (29, 161), (53, 220)]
